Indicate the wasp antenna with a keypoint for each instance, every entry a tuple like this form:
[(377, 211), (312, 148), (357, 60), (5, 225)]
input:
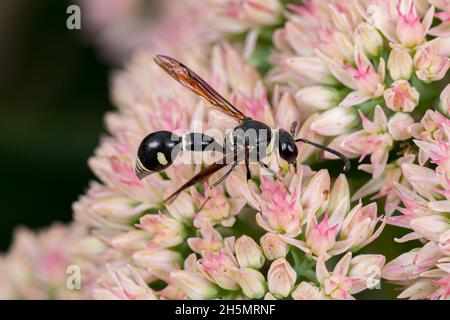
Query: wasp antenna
[(347, 164)]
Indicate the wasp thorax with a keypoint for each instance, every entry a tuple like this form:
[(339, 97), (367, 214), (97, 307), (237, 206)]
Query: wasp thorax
[(287, 148), (157, 152)]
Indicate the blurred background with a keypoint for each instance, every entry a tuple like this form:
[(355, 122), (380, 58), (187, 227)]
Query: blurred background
[(53, 94)]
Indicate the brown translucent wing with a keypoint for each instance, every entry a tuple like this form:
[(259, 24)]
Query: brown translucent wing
[(190, 80), (204, 174)]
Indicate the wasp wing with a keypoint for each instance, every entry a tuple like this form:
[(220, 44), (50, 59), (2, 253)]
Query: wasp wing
[(190, 80), (207, 172)]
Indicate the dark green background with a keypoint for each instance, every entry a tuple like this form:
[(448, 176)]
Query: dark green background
[(53, 94)]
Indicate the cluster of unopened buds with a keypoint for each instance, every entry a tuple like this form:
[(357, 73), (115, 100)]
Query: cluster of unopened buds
[(366, 78)]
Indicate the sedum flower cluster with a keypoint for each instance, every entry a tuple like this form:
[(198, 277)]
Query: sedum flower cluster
[(368, 78)]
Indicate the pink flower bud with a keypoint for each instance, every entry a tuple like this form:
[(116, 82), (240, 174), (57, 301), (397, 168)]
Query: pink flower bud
[(312, 68), (430, 227), (360, 224), (339, 196), (335, 121), (131, 241), (316, 193), (401, 96), (430, 65), (368, 39), (420, 289), (164, 231), (248, 253), (252, 283), (285, 111), (364, 265), (194, 285), (158, 259), (117, 209), (273, 246), (422, 179), (398, 126), (400, 63), (409, 30), (306, 291), (281, 278), (401, 268), (318, 97), (182, 208)]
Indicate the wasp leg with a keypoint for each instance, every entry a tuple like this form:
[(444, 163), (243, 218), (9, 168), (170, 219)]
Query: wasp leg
[(203, 204), (267, 168), (235, 163), (247, 158), (215, 184)]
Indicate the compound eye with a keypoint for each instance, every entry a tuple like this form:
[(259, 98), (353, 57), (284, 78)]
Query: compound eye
[(288, 151)]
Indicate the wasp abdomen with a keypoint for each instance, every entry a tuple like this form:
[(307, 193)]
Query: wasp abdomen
[(157, 152)]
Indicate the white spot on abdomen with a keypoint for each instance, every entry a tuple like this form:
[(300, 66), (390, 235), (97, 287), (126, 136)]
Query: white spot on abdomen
[(161, 158)]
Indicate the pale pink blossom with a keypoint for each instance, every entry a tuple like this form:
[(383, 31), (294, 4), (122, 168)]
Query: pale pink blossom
[(399, 21), (339, 229), (373, 140), (252, 282), (400, 63), (248, 253), (280, 207), (307, 291), (318, 97), (369, 83), (431, 129), (220, 267), (164, 231), (429, 63), (384, 184), (401, 96), (194, 284), (126, 286), (338, 284), (35, 266), (409, 30), (237, 16), (414, 269), (398, 126), (210, 240), (369, 39), (335, 121), (220, 211), (281, 278), (273, 246)]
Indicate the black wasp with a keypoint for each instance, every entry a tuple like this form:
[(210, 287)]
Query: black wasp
[(250, 141)]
